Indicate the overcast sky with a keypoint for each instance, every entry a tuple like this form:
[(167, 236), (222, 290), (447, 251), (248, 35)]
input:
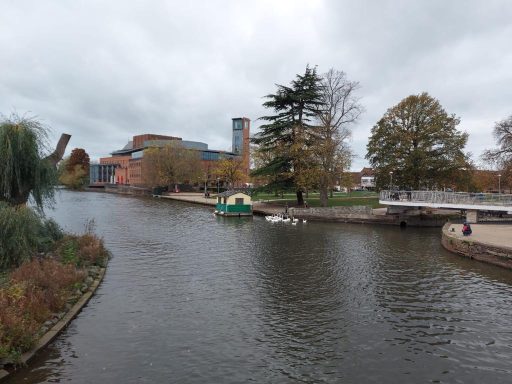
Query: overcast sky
[(104, 71)]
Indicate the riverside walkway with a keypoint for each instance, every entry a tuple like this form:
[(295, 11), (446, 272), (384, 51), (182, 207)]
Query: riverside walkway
[(489, 243), (498, 235)]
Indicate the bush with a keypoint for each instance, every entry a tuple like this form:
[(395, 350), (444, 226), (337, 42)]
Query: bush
[(35, 290), (49, 233), (82, 251), (22, 233), (19, 229)]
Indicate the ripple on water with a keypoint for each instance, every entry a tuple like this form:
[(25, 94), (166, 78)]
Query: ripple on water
[(192, 298)]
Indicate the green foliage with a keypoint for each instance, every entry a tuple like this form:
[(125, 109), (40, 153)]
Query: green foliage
[(22, 233), (74, 178), (23, 169), (417, 141), (19, 229), (49, 233), (284, 139), (69, 251)]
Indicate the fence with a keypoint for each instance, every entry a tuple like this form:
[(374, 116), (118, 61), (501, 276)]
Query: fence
[(440, 197)]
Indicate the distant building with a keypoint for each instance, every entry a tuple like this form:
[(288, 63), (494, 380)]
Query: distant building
[(241, 140), (367, 179), (125, 166), (362, 180)]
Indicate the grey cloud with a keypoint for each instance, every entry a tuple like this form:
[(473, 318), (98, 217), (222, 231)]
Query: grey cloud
[(104, 71)]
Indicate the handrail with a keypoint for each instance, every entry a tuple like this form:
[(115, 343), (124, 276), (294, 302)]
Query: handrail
[(441, 197)]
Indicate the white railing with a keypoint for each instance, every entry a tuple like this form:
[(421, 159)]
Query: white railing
[(440, 197)]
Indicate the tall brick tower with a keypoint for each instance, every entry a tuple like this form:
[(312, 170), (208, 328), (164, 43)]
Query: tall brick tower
[(240, 144)]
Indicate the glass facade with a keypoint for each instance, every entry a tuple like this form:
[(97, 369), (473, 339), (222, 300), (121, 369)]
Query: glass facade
[(238, 135), (209, 156)]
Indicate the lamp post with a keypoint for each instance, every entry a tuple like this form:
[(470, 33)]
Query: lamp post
[(218, 185), (390, 180), (499, 184), (205, 181)]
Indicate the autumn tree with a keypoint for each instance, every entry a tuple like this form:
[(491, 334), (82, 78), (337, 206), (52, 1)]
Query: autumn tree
[(170, 165), (78, 157), (74, 170), (286, 135), (231, 170), (340, 108), (419, 142)]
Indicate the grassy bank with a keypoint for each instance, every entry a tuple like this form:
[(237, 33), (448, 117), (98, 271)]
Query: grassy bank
[(366, 198), (35, 295)]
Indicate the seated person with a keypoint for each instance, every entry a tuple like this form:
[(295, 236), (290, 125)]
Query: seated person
[(466, 229)]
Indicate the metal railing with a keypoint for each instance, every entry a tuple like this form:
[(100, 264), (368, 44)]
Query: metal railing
[(440, 197)]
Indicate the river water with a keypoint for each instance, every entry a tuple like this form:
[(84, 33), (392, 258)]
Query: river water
[(192, 298)]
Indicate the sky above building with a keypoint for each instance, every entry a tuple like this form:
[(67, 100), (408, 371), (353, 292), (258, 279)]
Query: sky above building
[(104, 71)]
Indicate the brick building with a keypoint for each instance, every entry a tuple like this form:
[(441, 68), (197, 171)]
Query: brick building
[(125, 166)]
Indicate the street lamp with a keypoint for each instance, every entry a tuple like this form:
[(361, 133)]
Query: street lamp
[(205, 181), (390, 180), (218, 185), (499, 183)]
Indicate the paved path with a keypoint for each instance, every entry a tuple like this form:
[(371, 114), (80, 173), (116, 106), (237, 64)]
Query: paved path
[(499, 235)]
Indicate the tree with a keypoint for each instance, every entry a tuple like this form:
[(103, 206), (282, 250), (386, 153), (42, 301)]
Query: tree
[(287, 134), (74, 171), (79, 157), (74, 178), (417, 141), (502, 155), (230, 170), (170, 165), (339, 109), (24, 169)]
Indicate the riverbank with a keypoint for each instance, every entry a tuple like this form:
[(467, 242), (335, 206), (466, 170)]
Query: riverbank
[(342, 214), (40, 298), (490, 243)]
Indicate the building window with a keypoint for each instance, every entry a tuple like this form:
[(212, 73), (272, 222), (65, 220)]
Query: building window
[(239, 201)]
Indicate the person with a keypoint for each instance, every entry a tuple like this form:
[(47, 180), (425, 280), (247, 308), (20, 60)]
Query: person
[(305, 204), (466, 229), (286, 208)]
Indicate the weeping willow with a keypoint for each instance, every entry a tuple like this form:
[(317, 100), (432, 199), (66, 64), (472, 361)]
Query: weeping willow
[(24, 171)]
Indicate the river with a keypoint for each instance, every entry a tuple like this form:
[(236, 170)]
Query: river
[(193, 298)]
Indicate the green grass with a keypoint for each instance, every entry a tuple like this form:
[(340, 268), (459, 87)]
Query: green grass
[(339, 199)]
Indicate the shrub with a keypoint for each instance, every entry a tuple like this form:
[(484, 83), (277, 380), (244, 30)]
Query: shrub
[(82, 251), (19, 228), (92, 250), (35, 290), (49, 232)]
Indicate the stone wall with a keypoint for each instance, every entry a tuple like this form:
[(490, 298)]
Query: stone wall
[(364, 214), (126, 189), (475, 250), (355, 214)]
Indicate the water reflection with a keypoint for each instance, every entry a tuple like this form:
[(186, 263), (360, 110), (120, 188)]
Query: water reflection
[(193, 298)]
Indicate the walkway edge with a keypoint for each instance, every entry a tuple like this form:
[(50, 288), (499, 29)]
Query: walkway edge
[(485, 252), (62, 324)]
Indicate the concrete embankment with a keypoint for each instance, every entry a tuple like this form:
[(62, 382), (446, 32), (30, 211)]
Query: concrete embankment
[(351, 214), (490, 243)]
